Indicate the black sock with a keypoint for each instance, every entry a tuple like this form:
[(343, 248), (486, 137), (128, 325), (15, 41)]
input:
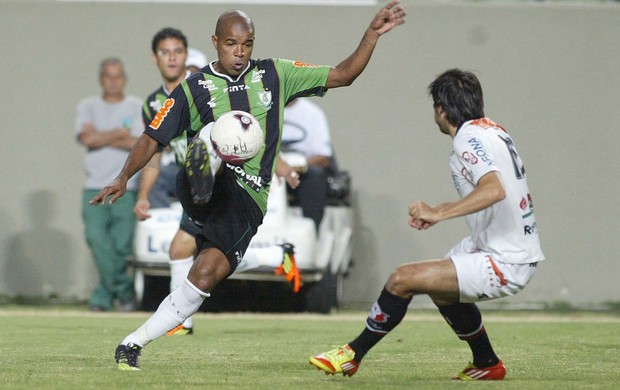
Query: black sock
[(466, 321), (385, 314)]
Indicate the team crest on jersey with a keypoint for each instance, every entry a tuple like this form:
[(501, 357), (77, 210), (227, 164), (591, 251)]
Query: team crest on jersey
[(265, 98)]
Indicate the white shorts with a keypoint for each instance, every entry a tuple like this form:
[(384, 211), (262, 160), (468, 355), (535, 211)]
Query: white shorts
[(482, 276)]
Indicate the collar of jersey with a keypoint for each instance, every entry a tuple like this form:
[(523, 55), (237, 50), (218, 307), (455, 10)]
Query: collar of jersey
[(225, 76)]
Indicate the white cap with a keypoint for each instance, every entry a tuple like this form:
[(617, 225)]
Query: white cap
[(195, 58)]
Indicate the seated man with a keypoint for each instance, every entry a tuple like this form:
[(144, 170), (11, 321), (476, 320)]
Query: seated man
[(306, 131)]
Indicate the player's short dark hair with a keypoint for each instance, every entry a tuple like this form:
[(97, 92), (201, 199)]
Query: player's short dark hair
[(459, 93), (165, 33)]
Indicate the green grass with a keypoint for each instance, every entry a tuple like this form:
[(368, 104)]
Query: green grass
[(73, 349)]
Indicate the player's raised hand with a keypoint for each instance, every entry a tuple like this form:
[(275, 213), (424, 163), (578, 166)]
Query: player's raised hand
[(116, 189), (388, 17)]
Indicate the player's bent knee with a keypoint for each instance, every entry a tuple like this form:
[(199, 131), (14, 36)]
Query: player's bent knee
[(399, 284)]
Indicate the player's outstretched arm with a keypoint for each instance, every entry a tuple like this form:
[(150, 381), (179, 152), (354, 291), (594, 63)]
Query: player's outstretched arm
[(140, 154), (385, 20)]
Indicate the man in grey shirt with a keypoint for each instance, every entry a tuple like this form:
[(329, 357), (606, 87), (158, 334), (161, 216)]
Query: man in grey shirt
[(108, 126)]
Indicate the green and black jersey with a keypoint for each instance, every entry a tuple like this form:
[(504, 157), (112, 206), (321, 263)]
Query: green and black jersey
[(263, 90), (153, 103)]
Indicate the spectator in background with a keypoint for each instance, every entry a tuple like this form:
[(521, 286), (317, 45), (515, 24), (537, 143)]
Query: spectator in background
[(171, 55), (165, 186), (196, 60), (108, 126), (306, 131)]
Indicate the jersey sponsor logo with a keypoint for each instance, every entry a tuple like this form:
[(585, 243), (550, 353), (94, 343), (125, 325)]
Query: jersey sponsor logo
[(253, 181), (480, 151), (207, 84), (236, 88), (155, 105), (300, 64), (530, 229), (526, 205), (161, 114), (470, 158), (257, 76)]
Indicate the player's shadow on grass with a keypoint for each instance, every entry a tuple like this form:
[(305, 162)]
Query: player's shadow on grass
[(38, 258)]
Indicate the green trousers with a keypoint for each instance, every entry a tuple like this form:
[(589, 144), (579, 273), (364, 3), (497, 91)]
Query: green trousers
[(109, 231)]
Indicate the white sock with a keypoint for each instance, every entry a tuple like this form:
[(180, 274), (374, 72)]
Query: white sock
[(178, 273), (256, 257), (173, 310)]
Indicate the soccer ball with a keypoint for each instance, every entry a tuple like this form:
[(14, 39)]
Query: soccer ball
[(237, 137)]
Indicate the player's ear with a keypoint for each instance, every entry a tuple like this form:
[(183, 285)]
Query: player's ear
[(154, 58), (214, 41)]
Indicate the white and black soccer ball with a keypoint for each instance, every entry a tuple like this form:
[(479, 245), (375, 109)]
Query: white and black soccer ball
[(237, 137)]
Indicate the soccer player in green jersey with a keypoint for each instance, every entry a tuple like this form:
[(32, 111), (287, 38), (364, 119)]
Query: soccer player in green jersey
[(230, 206)]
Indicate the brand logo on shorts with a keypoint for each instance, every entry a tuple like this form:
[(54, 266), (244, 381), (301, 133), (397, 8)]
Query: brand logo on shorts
[(161, 114)]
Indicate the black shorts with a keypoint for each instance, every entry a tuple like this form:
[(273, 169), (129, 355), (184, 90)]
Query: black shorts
[(188, 226), (228, 221)]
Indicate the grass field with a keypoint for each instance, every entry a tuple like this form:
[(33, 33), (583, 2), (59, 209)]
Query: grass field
[(73, 349)]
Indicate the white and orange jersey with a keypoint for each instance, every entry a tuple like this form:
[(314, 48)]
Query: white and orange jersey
[(508, 228)]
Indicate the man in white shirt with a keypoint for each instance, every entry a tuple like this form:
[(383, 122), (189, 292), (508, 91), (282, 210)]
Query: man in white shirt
[(108, 126)]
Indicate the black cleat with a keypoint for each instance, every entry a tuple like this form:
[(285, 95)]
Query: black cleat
[(198, 171), (127, 357)]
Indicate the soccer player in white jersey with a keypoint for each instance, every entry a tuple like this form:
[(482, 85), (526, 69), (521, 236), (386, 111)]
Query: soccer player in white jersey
[(499, 257)]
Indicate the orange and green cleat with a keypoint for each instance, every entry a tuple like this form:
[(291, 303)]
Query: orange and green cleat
[(180, 331), (473, 373), (338, 360)]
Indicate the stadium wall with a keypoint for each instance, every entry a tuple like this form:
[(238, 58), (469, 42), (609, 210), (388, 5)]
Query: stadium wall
[(549, 72)]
